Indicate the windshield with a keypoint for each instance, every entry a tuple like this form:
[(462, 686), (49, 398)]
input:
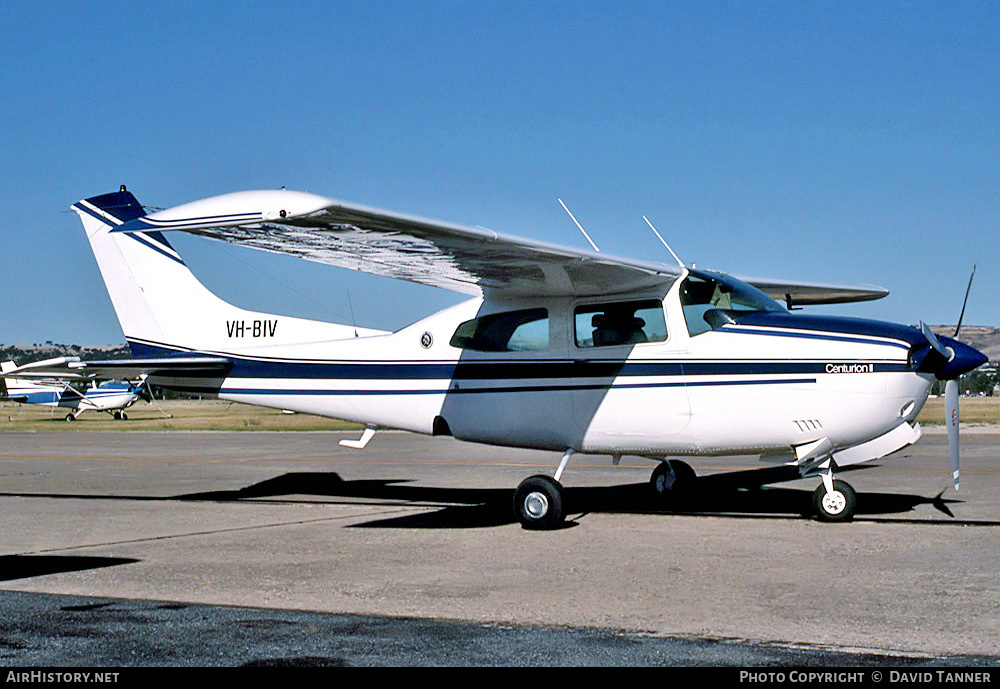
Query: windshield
[(711, 301)]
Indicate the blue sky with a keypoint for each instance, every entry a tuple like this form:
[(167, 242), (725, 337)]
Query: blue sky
[(836, 141)]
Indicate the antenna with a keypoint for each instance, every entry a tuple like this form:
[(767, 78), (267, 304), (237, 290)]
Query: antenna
[(663, 241), (351, 306), (579, 226)]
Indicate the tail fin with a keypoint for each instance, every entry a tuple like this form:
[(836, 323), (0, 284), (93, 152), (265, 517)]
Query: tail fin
[(161, 305), (19, 386)]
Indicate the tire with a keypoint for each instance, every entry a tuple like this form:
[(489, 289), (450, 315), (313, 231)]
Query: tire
[(538, 503), (70, 417), (838, 506), (673, 486)]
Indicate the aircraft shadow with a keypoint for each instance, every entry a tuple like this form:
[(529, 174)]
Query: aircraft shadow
[(733, 494), (27, 566)]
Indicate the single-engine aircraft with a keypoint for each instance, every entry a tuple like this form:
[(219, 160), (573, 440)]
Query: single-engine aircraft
[(556, 349), (28, 384)]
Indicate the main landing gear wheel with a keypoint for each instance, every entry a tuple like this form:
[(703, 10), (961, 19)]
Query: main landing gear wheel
[(835, 506), (538, 503), (672, 481), (70, 417)]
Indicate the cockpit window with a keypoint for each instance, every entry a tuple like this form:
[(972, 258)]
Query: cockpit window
[(513, 331), (620, 323), (711, 301)]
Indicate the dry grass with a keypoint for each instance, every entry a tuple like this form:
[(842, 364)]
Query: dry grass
[(184, 415), (974, 411), (213, 415)]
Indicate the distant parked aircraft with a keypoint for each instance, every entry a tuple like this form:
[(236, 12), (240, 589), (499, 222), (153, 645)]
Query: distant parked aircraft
[(73, 391)]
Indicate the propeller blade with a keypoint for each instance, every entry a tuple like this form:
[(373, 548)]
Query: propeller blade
[(964, 302), (144, 389), (951, 421)]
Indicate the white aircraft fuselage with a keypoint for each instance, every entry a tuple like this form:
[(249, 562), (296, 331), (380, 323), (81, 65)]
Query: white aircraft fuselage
[(687, 395), (108, 397)]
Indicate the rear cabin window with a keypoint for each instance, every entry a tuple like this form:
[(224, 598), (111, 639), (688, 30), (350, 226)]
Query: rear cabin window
[(620, 323), (513, 331)]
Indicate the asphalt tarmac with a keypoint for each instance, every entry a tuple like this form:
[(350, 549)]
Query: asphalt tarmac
[(205, 549)]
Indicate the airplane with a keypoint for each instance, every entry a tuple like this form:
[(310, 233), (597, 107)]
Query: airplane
[(556, 348), (28, 384)]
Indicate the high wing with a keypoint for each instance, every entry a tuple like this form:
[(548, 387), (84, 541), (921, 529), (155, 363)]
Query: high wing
[(72, 368), (470, 260)]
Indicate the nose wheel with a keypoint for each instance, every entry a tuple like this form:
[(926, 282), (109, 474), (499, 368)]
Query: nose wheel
[(835, 501)]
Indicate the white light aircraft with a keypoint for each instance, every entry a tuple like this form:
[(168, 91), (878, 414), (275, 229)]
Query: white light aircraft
[(557, 348), (29, 384)]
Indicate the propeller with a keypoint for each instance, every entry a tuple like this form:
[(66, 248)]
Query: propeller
[(143, 393), (144, 390), (955, 359)]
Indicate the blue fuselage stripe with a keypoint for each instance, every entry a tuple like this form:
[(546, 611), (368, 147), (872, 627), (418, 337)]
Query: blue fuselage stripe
[(464, 371), (254, 376), (495, 390)]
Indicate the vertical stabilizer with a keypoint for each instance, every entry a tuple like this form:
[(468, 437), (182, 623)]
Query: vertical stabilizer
[(22, 387), (162, 306)]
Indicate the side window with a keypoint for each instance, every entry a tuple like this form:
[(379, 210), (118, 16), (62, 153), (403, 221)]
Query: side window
[(619, 323), (513, 331)]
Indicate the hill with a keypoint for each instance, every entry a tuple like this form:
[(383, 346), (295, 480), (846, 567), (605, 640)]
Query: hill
[(983, 337)]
